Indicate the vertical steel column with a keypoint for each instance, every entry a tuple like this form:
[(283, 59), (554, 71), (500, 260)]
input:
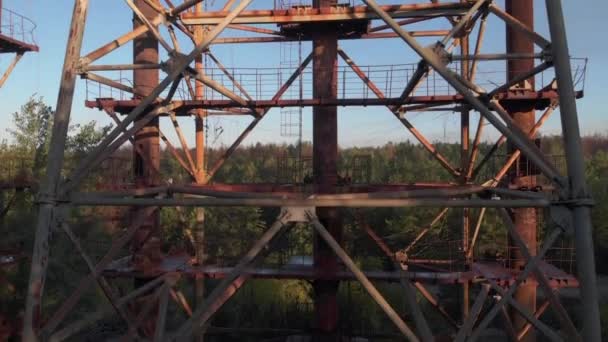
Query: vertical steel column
[(50, 184), (325, 160), (201, 177), (523, 115), (145, 245), (464, 163), (146, 248), (578, 191)]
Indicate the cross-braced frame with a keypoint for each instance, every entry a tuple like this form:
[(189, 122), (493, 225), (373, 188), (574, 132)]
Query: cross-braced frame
[(569, 205)]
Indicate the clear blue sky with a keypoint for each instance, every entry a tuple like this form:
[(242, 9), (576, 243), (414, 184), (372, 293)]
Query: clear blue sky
[(40, 73)]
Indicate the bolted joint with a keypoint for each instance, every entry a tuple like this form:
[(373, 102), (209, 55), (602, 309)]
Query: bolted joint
[(577, 202), (440, 54), (547, 55), (80, 66), (297, 214), (46, 198), (562, 218), (174, 61)]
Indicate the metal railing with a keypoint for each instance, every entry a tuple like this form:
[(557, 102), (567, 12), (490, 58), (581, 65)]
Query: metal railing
[(95, 90), (520, 168), (287, 4), (17, 26), (264, 83), (562, 257)]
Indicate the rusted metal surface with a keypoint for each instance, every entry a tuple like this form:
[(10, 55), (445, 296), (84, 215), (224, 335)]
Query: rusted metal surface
[(48, 190), (187, 266), (16, 32), (540, 99), (325, 23), (146, 242), (201, 172), (16, 37), (329, 13), (350, 36), (524, 117), (325, 170)]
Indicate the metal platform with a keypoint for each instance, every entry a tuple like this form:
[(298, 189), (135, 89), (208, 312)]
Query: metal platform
[(16, 32), (186, 265), (16, 37)]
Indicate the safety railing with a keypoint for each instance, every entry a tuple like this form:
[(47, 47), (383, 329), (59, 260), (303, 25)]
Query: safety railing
[(287, 4), (391, 80), (521, 167), (562, 255), (17, 26), (293, 169), (95, 90)]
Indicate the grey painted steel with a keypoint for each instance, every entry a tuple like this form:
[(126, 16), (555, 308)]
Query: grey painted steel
[(371, 289), (560, 311), (88, 200), (519, 139), (579, 192), (91, 160), (465, 329), (48, 191), (463, 21), (524, 311), (80, 325), (507, 296), (218, 296)]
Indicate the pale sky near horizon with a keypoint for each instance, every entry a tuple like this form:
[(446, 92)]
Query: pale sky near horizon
[(40, 73)]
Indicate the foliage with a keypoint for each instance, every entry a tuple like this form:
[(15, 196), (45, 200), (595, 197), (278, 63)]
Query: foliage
[(32, 132), (85, 138), (230, 231)]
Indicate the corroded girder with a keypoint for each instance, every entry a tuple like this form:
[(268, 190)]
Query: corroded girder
[(334, 13)]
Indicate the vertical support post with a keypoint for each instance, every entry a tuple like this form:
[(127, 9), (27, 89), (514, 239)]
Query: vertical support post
[(464, 162), (201, 177), (578, 191), (523, 115), (325, 161), (147, 140), (48, 190), (146, 243)]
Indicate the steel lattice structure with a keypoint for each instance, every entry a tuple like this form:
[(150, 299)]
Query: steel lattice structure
[(188, 89)]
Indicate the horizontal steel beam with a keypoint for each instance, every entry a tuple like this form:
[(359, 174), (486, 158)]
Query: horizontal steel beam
[(381, 35), (335, 14), (378, 191), (541, 99), (93, 200), (182, 265)]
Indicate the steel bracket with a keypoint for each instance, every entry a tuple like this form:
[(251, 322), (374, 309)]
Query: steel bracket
[(440, 53), (46, 198), (578, 202), (175, 60), (562, 217), (81, 65), (297, 214)]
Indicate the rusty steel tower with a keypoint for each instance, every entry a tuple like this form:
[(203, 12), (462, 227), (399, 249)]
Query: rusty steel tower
[(172, 83)]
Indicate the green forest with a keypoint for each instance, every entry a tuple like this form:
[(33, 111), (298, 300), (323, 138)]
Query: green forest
[(285, 305)]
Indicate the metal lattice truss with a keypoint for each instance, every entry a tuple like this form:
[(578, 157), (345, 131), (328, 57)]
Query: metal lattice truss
[(570, 210)]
